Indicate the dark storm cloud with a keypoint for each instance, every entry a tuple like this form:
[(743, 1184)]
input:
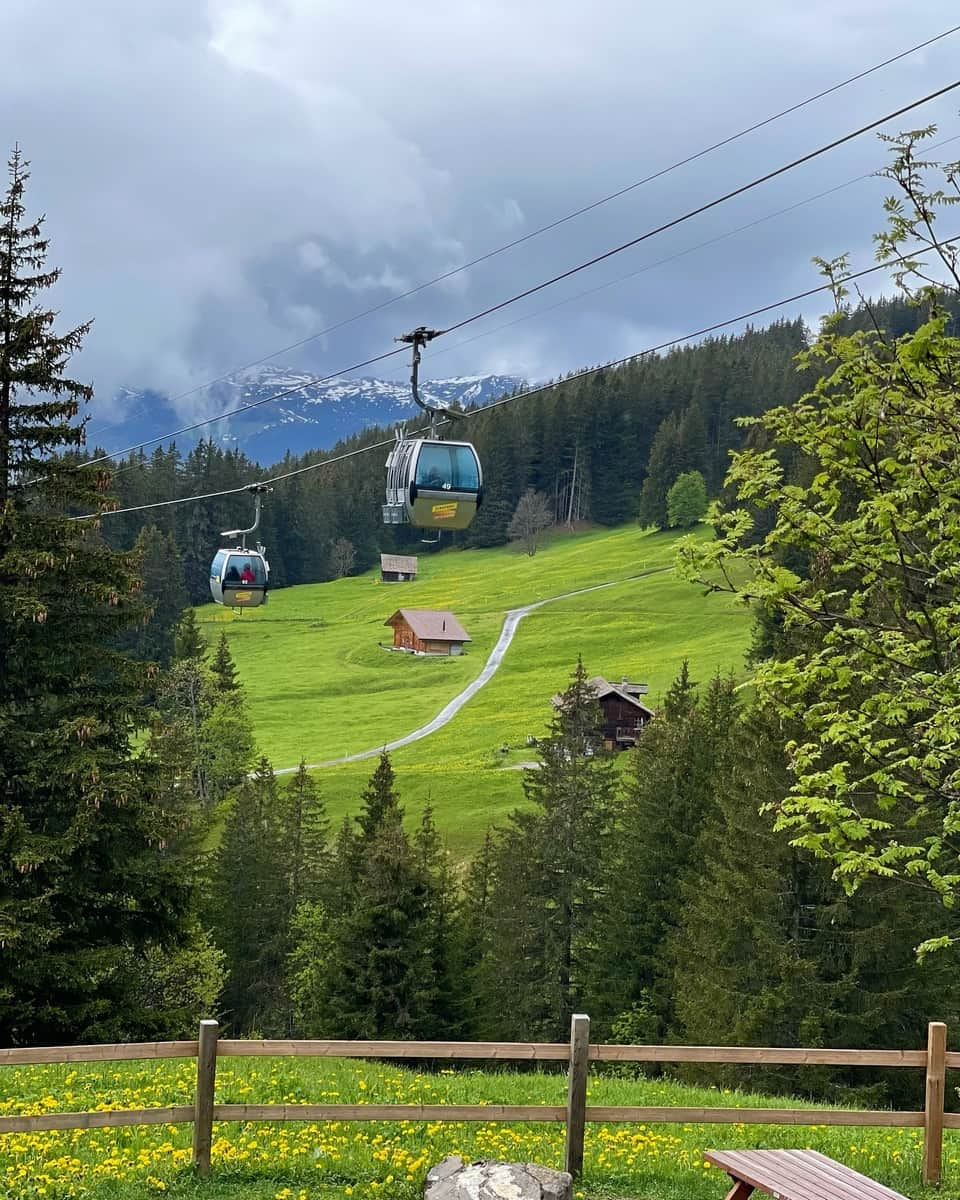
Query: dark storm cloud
[(223, 178)]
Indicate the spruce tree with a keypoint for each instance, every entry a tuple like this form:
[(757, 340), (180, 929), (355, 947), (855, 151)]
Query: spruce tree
[(251, 908), (188, 641), (85, 878), (373, 961), (223, 667), (548, 871), (667, 795)]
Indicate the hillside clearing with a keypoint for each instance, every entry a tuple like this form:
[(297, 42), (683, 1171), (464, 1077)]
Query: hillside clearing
[(320, 687)]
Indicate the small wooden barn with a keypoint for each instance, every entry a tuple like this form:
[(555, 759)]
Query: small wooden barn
[(427, 631), (398, 568), (624, 713)]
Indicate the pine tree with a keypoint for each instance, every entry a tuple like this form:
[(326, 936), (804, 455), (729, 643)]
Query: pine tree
[(667, 795), (251, 907), (85, 879), (223, 667), (163, 587), (188, 641), (372, 965), (548, 870), (662, 469)]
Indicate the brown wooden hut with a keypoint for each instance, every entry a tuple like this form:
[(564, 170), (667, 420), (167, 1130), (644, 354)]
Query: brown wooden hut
[(624, 713), (427, 631), (398, 568)]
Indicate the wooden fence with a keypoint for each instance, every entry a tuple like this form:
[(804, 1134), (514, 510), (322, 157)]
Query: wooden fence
[(575, 1114)]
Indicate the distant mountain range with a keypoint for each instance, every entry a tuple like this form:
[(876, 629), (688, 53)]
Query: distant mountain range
[(314, 417)]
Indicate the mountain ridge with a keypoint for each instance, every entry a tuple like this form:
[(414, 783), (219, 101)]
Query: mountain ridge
[(314, 417)]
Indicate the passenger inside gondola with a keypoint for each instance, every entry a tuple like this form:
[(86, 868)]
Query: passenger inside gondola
[(232, 575), (447, 467)]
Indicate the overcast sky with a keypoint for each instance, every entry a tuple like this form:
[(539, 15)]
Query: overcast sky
[(224, 177)]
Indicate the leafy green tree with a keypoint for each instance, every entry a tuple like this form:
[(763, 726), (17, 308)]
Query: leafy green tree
[(687, 500), (872, 681), (84, 878)]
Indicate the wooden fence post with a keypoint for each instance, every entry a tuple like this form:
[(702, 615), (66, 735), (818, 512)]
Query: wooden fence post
[(577, 1093), (933, 1101), (206, 1085)]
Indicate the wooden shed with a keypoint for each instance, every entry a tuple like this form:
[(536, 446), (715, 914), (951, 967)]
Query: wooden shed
[(427, 631), (398, 568)]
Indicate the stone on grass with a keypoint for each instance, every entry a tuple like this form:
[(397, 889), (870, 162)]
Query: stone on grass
[(455, 1180)]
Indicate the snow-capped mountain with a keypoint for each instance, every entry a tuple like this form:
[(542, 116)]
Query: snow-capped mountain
[(310, 416)]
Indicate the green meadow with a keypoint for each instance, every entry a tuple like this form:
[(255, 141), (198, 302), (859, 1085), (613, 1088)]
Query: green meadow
[(320, 685), (389, 1160)]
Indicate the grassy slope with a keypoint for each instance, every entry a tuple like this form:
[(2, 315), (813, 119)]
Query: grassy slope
[(299, 1161), (320, 686)]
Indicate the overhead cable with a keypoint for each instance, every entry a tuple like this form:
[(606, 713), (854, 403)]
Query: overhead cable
[(555, 279), (579, 212), (528, 393)]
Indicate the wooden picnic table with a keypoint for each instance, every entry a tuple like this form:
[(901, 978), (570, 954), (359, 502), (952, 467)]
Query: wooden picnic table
[(795, 1175)]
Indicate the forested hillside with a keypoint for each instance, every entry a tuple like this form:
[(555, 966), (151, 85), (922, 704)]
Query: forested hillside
[(586, 445)]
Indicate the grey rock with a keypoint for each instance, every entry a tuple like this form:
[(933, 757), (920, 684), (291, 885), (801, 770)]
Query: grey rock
[(453, 1179)]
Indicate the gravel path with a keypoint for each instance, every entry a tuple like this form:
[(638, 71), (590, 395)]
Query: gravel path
[(513, 618)]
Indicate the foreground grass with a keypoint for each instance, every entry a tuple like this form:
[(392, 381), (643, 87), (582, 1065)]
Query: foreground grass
[(319, 685), (310, 1161)]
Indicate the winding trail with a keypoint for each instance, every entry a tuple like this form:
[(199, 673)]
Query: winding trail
[(513, 618)]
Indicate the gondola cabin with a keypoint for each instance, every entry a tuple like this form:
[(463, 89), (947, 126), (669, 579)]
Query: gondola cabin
[(239, 578), (433, 484)]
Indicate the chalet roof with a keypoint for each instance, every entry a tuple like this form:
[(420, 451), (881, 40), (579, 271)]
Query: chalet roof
[(625, 690), (404, 564), (434, 625)]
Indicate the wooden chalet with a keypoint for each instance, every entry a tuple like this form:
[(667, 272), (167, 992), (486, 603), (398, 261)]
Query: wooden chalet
[(398, 568), (624, 713), (427, 631)]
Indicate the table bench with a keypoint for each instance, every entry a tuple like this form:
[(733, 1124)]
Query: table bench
[(795, 1175)]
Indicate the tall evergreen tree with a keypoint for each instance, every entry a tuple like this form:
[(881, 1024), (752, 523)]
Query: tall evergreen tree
[(667, 794), (223, 667), (84, 878), (188, 641), (548, 870), (251, 908)]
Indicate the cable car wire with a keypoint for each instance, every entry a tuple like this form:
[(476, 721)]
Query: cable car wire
[(579, 212), (539, 287), (583, 374), (695, 212)]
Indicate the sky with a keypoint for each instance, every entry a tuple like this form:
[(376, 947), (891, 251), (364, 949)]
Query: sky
[(222, 178)]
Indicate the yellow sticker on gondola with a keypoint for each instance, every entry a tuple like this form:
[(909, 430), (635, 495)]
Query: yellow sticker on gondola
[(443, 512), (242, 595)]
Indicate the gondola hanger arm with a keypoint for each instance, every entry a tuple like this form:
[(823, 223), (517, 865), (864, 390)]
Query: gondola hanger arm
[(417, 338)]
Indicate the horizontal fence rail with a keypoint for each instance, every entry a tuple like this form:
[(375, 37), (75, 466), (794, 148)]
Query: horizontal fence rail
[(208, 1048)]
